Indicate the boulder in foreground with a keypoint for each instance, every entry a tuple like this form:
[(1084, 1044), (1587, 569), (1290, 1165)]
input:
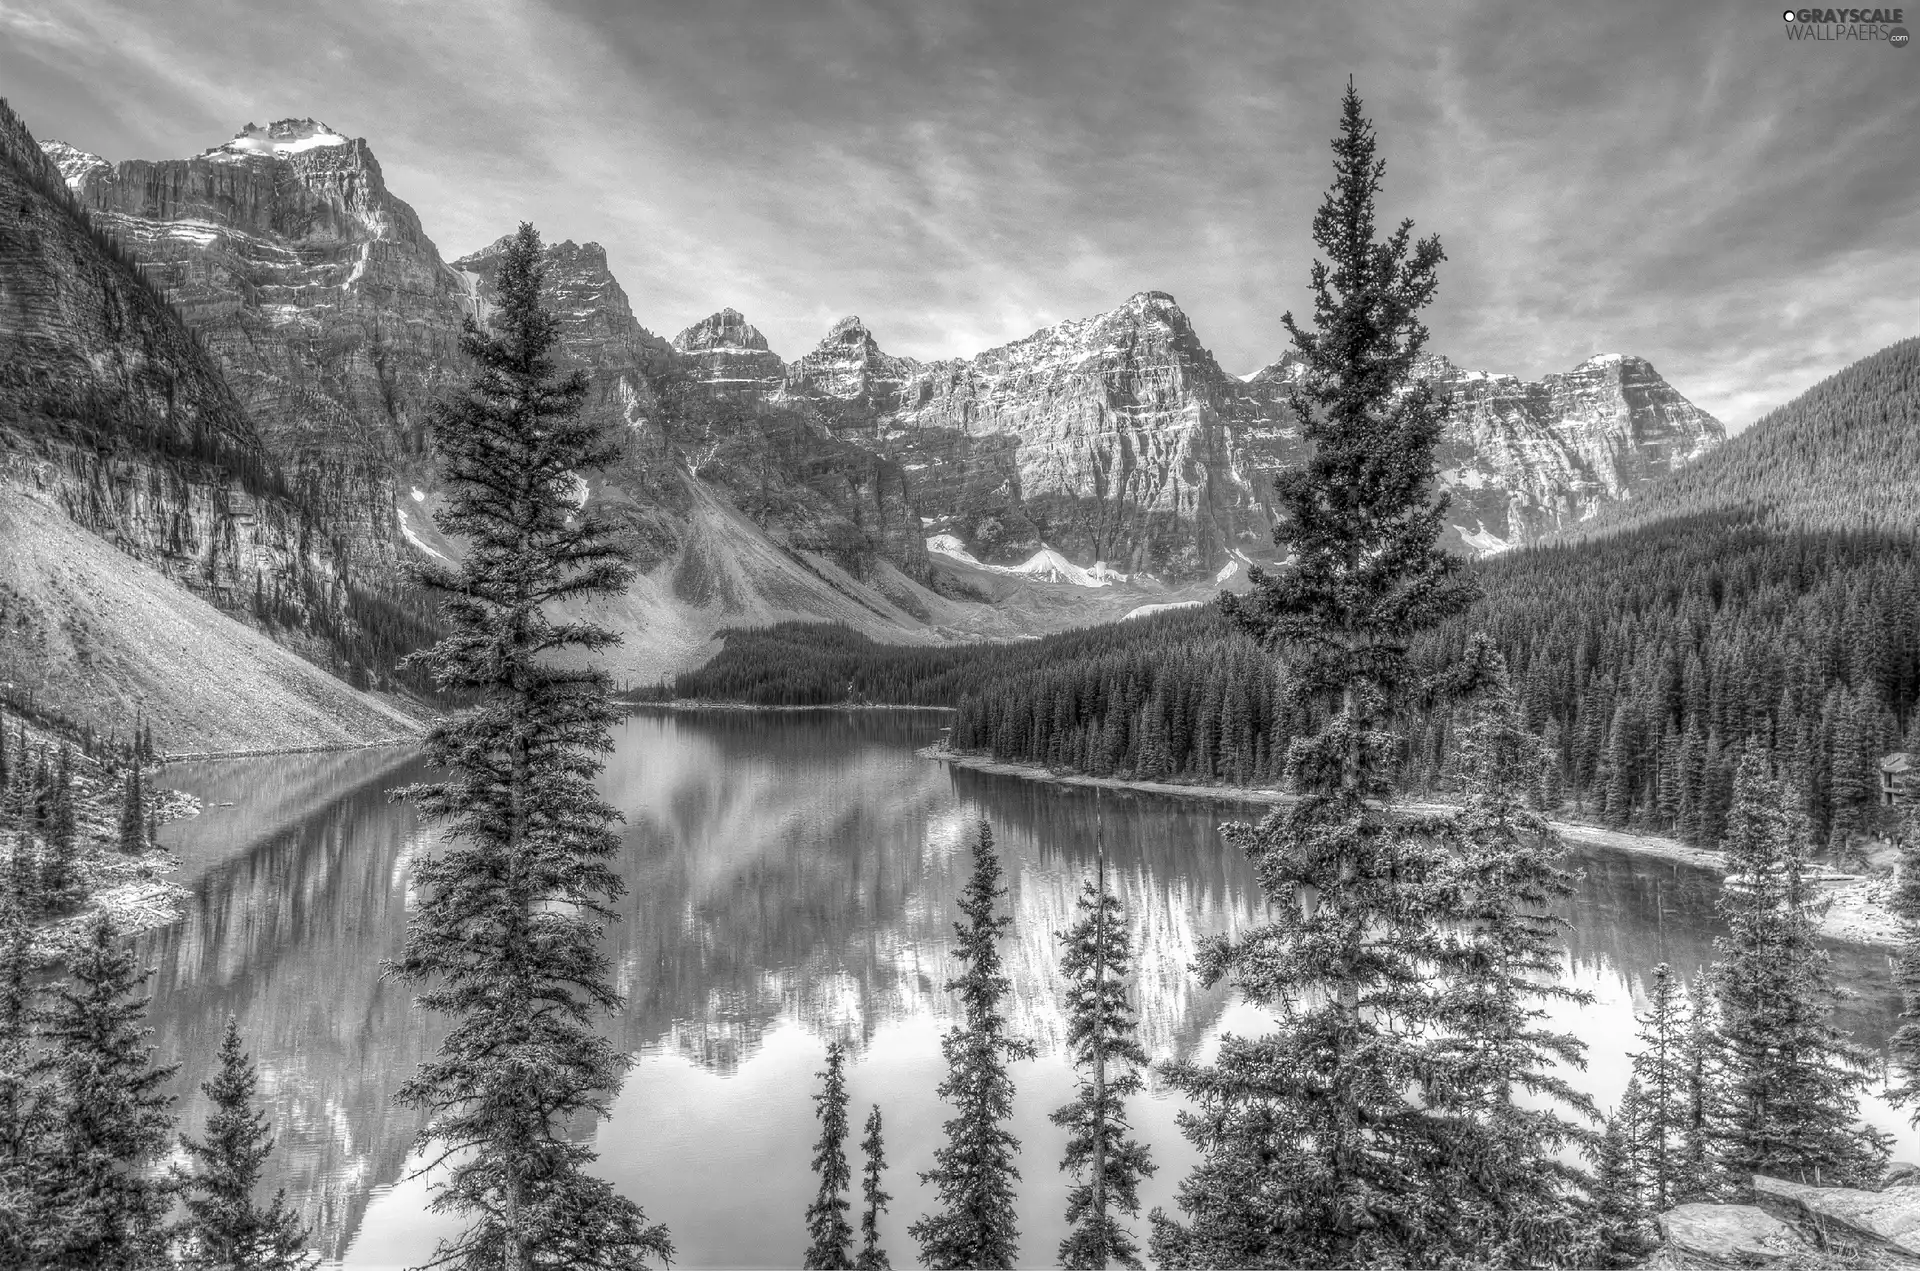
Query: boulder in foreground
[(1724, 1236), (1845, 1219)]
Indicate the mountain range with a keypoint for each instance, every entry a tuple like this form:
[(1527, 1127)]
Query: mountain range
[(1095, 468)]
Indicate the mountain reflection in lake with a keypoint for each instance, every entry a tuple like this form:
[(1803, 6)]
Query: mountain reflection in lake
[(791, 878)]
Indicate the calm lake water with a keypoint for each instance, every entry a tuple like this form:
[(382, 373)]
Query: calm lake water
[(791, 879)]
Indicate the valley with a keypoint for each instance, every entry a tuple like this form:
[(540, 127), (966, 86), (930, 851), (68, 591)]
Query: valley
[(531, 734), (1100, 468)]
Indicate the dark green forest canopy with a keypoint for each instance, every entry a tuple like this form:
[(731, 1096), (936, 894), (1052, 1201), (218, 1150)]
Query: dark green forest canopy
[(1645, 657)]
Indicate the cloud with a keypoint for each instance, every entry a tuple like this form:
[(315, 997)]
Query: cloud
[(1674, 181)]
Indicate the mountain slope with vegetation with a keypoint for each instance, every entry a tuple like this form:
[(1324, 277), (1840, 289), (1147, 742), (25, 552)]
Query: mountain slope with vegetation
[(1843, 455), (1781, 606)]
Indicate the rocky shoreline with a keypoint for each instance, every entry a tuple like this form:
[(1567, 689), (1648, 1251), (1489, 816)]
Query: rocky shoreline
[(197, 756), (696, 704), (1855, 906)]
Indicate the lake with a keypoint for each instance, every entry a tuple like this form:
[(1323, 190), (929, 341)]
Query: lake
[(791, 879)]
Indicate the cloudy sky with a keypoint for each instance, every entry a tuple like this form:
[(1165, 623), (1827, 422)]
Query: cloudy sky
[(1677, 181)]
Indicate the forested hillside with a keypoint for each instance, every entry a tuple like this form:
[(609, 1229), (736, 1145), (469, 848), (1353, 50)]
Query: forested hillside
[(1644, 660), (1845, 454)]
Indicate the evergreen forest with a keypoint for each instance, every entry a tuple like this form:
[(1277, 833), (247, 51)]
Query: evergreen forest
[(1646, 660)]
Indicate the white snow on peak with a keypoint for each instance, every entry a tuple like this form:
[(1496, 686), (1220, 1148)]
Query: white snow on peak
[(287, 137), (419, 495), (1045, 563)]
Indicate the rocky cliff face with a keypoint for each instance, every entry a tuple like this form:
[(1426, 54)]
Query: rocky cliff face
[(1525, 459), (1119, 438), (726, 354), (110, 405), (113, 412), (324, 302), (1522, 459), (1115, 438), (698, 410)]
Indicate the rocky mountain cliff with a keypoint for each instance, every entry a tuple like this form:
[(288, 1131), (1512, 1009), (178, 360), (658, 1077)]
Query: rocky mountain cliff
[(1119, 438), (121, 442), (326, 304), (1525, 460), (683, 422), (1114, 439)]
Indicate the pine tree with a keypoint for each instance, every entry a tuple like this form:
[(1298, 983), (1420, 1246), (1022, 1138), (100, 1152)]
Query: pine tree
[(224, 1230), (1904, 1047), (874, 1201), (132, 819), (1311, 1138), (1792, 1077), (41, 791), (59, 883), (1505, 1193), (1699, 1174), (974, 1170), (22, 1118), (507, 937), (24, 873), (1660, 1068), (1106, 1165), (831, 1235), (1619, 1235), (95, 1201)]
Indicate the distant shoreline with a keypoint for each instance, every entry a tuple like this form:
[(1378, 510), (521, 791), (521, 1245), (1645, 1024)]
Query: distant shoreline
[(692, 704), (200, 756), (1856, 907)]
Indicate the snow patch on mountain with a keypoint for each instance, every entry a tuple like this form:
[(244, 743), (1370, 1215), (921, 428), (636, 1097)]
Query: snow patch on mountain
[(1045, 564), (1146, 611), (416, 540), (1484, 542), (284, 137)]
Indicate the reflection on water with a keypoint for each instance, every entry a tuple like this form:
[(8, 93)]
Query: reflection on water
[(790, 878)]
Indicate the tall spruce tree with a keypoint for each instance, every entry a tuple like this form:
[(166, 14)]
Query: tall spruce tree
[(1505, 1194), (1619, 1235), (24, 872), (133, 825), (974, 1171), (830, 1246), (1104, 1162), (1792, 1078), (22, 1118), (59, 883), (1660, 1066), (224, 1230), (1314, 1147), (1699, 1173), (96, 1201), (1904, 1047), (507, 938), (873, 1200)]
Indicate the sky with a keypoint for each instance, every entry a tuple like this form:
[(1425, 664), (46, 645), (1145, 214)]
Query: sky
[(1677, 181)]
